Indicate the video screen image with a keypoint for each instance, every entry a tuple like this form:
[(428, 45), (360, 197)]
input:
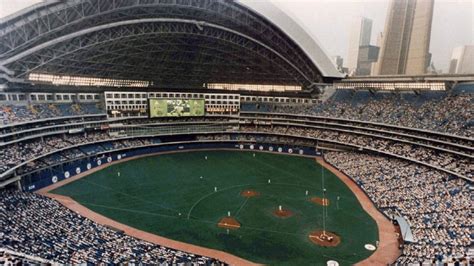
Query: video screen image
[(176, 107)]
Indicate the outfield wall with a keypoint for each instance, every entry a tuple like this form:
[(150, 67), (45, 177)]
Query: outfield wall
[(52, 175)]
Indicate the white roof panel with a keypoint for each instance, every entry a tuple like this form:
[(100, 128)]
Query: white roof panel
[(297, 32)]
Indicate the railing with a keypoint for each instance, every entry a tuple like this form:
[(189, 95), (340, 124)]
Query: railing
[(201, 127), (365, 128), (424, 131), (51, 119), (355, 146), (370, 135)]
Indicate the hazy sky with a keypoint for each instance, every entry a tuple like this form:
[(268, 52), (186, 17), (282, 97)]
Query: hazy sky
[(330, 21)]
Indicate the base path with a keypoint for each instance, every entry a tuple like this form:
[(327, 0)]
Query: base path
[(149, 237), (387, 251)]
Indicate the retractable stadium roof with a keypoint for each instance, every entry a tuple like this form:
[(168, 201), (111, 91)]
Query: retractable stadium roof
[(168, 42)]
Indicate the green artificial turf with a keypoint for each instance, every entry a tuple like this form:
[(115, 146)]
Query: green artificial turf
[(165, 195)]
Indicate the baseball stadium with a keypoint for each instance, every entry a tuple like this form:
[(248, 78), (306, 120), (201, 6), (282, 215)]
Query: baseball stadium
[(220, 132)]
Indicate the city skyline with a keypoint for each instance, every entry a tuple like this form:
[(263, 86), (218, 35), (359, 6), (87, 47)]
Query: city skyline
[(453, 22), (360, 36), (405, 46), (462, 60)]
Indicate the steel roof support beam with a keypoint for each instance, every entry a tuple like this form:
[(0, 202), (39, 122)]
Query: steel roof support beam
[(72, 43), (51, 21)]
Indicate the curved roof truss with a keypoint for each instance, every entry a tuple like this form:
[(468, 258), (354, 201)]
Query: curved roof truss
[(163, 41)]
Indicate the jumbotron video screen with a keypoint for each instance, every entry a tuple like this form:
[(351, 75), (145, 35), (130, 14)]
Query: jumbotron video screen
[(176, 107)]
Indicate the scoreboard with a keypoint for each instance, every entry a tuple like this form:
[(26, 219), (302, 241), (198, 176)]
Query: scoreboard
[(159, 107)]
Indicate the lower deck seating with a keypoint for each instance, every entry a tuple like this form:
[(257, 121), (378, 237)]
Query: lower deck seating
[(35, 225), (436, 205)]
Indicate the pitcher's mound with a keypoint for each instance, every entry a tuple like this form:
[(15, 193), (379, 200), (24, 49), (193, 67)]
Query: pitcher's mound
[(228, 223), (249, 193), (327, 239), (320, 201), (283, 213)]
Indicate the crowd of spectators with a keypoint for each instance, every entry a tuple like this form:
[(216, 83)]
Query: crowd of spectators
[(87, 144), (48, 123), (434, 202), (12, 258), (15, 154), (98, 141), (35, 225), (10, 114), (438, 111), (449, 161), (454, 143), (437, 206)]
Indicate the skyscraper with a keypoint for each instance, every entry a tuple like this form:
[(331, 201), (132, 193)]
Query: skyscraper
[(360, 36), (339, 62), (367, 56), (378, 44), (462, 60), (406, 38)]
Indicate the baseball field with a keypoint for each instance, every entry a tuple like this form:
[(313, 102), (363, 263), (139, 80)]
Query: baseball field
[(276, 202)]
